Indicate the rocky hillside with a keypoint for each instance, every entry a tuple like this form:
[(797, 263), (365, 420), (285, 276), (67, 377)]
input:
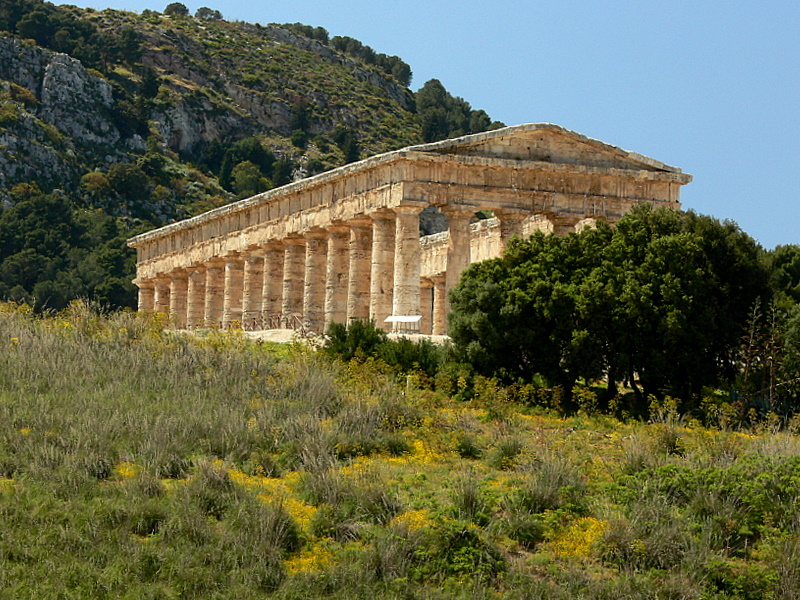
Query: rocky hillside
[(141, 119)]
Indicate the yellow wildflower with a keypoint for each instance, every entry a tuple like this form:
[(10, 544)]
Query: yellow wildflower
[(577, 539), (127, 470), (313, 560), (413, 519)]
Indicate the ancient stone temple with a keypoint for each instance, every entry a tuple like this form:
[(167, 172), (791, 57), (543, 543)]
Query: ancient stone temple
[(347, 244)]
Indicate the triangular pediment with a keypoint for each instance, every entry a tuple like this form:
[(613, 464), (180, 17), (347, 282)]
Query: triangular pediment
[(546, 142)]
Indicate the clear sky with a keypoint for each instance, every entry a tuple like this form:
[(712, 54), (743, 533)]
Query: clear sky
[(709, 86)]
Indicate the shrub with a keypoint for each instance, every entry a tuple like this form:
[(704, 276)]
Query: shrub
[(212, 489), (467, 446), (359, 339), (460, 550), (470, 503), (147, 519), (505, 453), (550, 484)]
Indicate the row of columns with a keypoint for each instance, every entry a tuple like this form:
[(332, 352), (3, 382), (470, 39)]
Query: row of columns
[(365, 268)]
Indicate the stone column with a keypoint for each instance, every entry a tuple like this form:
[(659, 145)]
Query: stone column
[(426, 305), (294, 275), (358, 285), (439, 305), (510, 225), (336, 282), (178, 292), (232, 298), (458, 250), (215, 285), (253, 288), (161, 297), (196, 297), (406, 262), (382, 267), (147, 293), (315, 279), (272, 292)]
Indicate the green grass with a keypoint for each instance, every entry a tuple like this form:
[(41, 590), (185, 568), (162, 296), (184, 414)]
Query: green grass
[(140, 463)]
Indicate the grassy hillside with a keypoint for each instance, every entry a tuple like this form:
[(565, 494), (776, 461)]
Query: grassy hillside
[(140, 463)]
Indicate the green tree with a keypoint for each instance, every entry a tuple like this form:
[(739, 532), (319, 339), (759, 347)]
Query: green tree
[(176, 9), (129, 181), (248, 149), (660, 301), (208, 14), (248, 180), (784, 263), (442, 115), (345, 139)]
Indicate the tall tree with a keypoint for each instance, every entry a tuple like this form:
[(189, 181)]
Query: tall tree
[(661, 301)]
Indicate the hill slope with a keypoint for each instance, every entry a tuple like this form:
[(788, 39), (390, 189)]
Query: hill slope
[(142, 119), (170, 466)]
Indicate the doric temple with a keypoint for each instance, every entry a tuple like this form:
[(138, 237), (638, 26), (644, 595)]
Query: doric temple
[(347, 244)]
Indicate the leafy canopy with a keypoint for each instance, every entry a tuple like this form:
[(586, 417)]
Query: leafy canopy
[(660, 301)]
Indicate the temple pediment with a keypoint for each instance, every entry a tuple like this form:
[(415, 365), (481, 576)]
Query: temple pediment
[(545, 142)]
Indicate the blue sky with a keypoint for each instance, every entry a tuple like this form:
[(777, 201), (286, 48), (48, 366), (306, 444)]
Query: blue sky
[(711, 87)]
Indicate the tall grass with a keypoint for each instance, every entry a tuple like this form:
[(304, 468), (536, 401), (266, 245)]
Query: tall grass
[(138, 462)]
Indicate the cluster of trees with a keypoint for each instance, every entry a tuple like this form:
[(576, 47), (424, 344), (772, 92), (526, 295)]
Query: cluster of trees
[(661, 302), (51, 253), (315, 33), (57, 28), (247, 167), (442, 115), (391, 65)]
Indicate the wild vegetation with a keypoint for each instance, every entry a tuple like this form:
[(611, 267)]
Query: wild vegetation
[(139, 462)]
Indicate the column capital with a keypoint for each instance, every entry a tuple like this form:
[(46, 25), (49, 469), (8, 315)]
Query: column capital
[(382, 213), (252, 256), (338, 226), (316, 234), (511, 214), (274, 245), (233, 256), (457, 210), (143, 283), (294, 240), (563, 223), (359, 221), (253, 251), (213, 262), (408, 209), (179, 273)]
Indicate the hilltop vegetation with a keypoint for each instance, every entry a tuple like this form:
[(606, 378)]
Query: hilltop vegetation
[(149, 118), (137, 462)]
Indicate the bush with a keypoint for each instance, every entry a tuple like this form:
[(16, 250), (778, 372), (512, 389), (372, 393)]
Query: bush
[(504, 455)]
